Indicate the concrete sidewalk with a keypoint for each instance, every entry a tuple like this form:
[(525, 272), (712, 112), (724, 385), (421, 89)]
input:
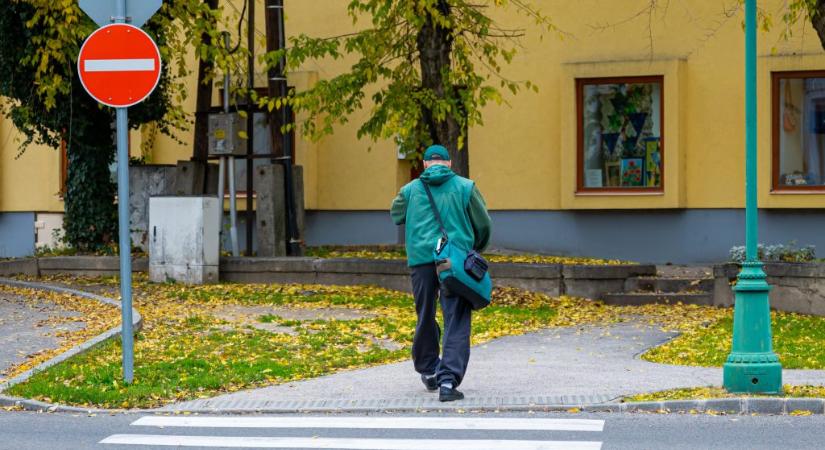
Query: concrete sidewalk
[(568, 366), (25, 330)]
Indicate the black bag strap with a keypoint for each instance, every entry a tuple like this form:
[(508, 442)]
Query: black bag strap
[(435, 210)]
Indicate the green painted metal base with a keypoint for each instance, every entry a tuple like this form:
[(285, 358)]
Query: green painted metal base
[(762, 378), (752, 366)]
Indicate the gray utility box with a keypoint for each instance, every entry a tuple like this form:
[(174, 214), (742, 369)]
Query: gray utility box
[(183, 239), (225, 134)]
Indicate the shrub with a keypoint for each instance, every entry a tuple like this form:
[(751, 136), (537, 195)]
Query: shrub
[(777, 253)]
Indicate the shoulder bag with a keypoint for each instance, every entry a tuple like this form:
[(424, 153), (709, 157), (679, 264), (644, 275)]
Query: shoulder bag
[(464, 273)]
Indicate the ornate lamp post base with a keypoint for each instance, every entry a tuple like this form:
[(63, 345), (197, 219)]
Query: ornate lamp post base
[(752, 365)]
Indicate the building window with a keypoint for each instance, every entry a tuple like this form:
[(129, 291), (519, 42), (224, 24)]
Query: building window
[(798, 130), (620, 141)]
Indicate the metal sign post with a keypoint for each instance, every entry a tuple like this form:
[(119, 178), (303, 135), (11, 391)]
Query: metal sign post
[(119, 76)]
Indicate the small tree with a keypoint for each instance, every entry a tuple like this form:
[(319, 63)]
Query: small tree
[(433, 64), (39, 44)]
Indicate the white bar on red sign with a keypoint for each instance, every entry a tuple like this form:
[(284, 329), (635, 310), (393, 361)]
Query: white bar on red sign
[(119, 65)]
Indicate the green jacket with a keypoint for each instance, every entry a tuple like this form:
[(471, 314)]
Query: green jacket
[(461, 206)]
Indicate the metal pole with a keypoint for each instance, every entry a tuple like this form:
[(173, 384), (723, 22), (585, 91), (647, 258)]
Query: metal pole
[(125, 244), (125, 241), (752, 366), (233, 210), (250, 128), (751, 207), (120, 12), (293, 239), (221, 194)]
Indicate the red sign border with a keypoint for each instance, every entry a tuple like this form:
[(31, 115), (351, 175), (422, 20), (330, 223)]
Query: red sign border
[(154, 44)]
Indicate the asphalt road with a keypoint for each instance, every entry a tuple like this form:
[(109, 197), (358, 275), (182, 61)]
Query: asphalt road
[(21, 430)]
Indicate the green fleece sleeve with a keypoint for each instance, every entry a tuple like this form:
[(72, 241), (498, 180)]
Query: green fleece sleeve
[(480, 219), (399, 209)]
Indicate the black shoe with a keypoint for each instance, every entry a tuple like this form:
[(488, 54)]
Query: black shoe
[(430, 382), (447, 394)]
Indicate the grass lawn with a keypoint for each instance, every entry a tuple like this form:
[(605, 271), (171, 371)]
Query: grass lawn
[(393, 252), (203, 341), (799, 340)]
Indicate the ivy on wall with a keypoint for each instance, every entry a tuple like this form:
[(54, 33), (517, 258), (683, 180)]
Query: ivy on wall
[(41, 94)]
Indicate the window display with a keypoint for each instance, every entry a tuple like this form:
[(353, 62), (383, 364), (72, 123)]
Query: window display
[(620, 134), (799, 130)]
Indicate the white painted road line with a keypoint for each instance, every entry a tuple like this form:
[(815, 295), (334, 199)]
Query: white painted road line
[(398, 423), (119, 65), (348, 444)]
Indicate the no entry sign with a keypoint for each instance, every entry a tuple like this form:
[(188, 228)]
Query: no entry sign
[(119, 65)]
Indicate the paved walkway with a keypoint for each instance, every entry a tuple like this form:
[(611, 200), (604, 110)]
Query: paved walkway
[(569, 366), (24, 330)]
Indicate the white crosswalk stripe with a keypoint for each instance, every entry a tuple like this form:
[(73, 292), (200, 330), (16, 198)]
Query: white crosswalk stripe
[(345, 443), (398, 423), (438, 424)]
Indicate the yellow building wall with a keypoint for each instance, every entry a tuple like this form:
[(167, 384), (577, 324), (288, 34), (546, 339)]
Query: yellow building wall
[(523, 156), (30, 182)]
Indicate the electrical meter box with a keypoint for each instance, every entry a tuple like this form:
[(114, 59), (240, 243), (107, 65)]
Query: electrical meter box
[(224, 134), (184, 239)]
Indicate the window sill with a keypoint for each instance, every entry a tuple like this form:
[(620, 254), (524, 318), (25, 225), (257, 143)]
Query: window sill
[(619, 194), (798, 191)]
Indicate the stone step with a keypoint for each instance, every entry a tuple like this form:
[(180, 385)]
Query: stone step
[(677, 271), (648, 298), (668, 285)]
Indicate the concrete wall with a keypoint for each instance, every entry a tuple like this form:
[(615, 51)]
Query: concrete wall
[(552, 279), (17, 235), (796, 288), (653, 236), (146, 182), (350, 228), (678, 236)]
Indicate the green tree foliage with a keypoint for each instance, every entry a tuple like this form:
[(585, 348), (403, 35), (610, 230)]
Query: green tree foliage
[(42, 95), (793, 12), (431, 66), (808, 10)]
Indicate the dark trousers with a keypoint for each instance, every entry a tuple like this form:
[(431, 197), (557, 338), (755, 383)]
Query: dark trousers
[(452, 365)]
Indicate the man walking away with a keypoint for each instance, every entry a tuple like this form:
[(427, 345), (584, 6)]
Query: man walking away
[(465, 217)]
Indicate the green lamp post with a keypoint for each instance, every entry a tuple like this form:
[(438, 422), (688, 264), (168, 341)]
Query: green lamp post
[(752, 366)]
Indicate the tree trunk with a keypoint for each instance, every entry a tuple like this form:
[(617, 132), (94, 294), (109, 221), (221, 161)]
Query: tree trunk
[(435, 45), (200, 151), (275, 87), (818, 21)]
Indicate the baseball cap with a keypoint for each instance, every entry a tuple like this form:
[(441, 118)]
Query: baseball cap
[(436, 152)]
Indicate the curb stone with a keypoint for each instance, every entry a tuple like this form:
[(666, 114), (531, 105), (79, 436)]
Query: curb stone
[(137, 323), (733, 406), (765, 406), (744, 405), (38, 406)]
